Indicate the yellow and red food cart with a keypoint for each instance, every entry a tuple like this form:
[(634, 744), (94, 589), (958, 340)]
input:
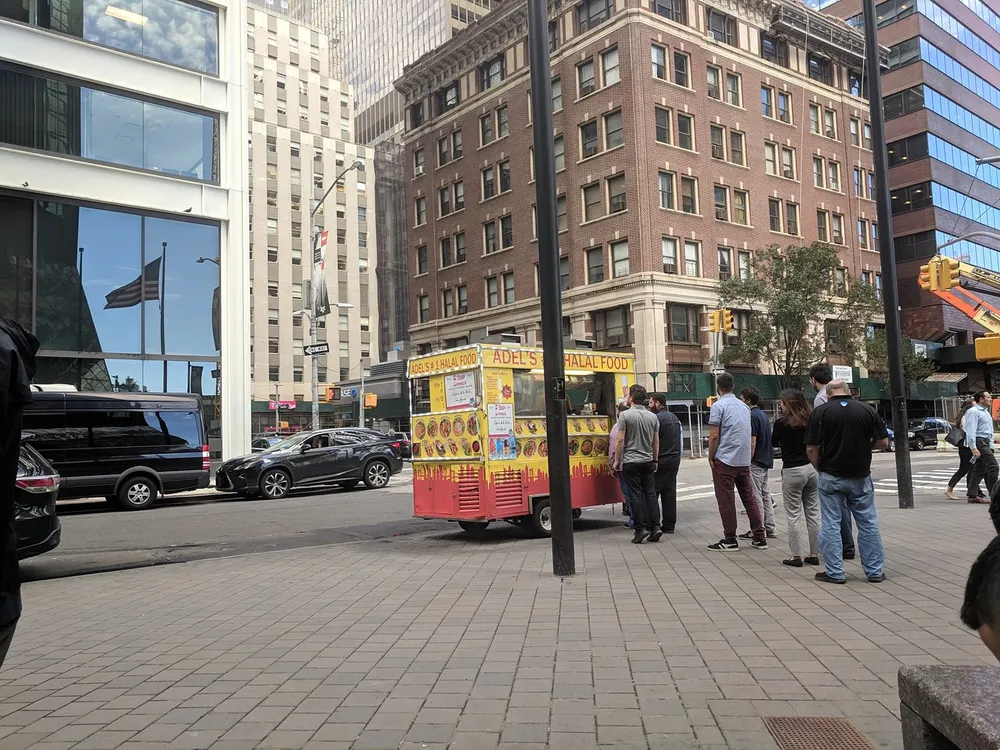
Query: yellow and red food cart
[(480, 452)]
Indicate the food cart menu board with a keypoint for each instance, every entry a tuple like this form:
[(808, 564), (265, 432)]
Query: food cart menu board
[(500, 426), (460, 390)]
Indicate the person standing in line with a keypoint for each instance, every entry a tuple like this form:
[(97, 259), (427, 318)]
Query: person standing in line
[(636, 452), (17, 368), (761, 460), (729, 456), (820, 375), (981, 607), (669, 461), (978, 425), (798, 478), (964, 455), (840, 438), (622, 482)]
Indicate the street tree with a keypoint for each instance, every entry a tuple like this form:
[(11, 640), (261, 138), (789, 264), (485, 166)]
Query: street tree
[(915, 367), (800, 310)]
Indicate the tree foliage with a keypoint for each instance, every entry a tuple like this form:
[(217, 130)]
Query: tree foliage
[(915, 368), (788, 292)]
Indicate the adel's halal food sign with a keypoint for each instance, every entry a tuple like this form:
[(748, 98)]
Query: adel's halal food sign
[(520, 359)]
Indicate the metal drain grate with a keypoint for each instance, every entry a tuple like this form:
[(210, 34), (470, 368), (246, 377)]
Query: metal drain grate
[(816, 733)]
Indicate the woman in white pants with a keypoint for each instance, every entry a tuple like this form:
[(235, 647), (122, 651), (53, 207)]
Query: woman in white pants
[(798, 478)]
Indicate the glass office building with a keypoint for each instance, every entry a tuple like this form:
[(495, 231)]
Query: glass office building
[(122, 198), (941, 97)]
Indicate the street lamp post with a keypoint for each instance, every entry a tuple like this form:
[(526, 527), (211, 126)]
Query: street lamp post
[(887, 251), (311, 234)]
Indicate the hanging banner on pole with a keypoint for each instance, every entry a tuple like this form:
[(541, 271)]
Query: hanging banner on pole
[(321, 296)]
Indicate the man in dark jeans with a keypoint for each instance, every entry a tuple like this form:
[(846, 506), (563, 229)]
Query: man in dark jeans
[(669, 460), (636, 450), (978, 425), (17, 367)]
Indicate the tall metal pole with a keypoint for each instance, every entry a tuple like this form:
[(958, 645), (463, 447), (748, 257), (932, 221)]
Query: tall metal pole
[(315, 365), (563, 555), (887, 251), (361, 408)]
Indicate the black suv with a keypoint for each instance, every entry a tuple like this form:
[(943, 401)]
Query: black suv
[(127, 447), (342, 457), (35, 520)]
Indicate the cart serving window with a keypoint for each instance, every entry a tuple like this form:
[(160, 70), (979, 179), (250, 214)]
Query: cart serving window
[(480, 447)]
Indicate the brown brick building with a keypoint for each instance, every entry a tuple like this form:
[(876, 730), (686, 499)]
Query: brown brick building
[(688, 135)]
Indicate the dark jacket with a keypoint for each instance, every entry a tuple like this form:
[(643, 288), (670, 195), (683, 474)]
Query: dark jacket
[(17, 367), (670, 437)]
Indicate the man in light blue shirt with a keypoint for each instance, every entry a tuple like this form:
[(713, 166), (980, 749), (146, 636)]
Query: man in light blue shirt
[(978, 426), (729, 457)]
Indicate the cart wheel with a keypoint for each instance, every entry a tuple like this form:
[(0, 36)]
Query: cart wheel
[(577, 513), (474, 528), (541, 517)]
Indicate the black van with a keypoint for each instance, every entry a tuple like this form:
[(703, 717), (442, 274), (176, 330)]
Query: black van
[(127, 447)]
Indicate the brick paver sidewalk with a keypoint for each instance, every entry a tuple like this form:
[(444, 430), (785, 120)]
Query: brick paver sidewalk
[(438, 641)]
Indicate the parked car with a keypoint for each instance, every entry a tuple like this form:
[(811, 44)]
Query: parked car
[(35, 520), (127, 447), (923, 433), (343, 457), (405, 447), (263, 442)]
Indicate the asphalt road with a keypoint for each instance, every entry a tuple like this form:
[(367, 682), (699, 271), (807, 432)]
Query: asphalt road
[(97, 537)]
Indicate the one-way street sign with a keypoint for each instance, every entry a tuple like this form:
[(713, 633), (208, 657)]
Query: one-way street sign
[(313, 349)]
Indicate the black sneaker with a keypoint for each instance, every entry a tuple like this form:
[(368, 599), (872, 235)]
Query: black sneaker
[(724, 545), (639, 536), (849, 555), (772, 535), (655, 534), (762, 544), (668, 531), (748, 535), (877, 578), (822, 576)]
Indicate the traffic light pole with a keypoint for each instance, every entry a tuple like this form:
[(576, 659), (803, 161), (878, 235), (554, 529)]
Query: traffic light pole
[(887, 251)]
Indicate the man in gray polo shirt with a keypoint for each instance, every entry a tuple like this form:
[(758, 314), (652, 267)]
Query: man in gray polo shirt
[(729, 457), (636, 452)]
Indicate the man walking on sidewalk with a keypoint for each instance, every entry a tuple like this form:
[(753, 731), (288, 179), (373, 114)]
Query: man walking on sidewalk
[(729, 457), (761, 459), (978, 425), (638, 446), (840, 438), (669, 461), (17, 367)]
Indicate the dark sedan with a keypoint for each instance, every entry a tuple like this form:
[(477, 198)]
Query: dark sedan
[(35, 521), (344, 457), (923, 433)]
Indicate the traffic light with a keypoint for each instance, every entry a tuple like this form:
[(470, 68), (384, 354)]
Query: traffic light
[(927, 282), (948, 273), (715, 321), (727, 319)]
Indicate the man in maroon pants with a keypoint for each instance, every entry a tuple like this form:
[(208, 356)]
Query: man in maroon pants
[(729, 457)]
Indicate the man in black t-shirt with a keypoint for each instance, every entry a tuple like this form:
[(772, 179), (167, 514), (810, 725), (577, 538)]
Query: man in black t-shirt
[(839, 441), (669, 460)]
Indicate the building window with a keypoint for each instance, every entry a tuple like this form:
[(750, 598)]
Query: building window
[(682, 69), (503, 123), (721, 28), (662, 117), (610, 327), (659, 58), (444, 200), (617, 201), (595, 265), (272, 254), (792, 218), (814, 118), (774, 50), (689, 195), (619, 259), (840, 282), (506, 232), (744, 259), (416, 115), (721, 203), (420, 209), (456, 144), (273, 373), (460, 247), (741, 202), (667, 199), (830, 124), (675, 10), (562, 221), (819, 68), (592, 13), (683, 324), (862, 233), (492, 292), (449, 302), (559, 152), (733, 90), (774, 214), (486, 132), (492, 73), (736, 148), (668, 248), (421, 260), (445, 252), (588, 139), (819, 179), (866, 142), (714, 76), (447, 98), (767, 101), (557, 102), (504, 168), (785, 107), (459, 188), (586, 81), (462, 296), (725, 263), (609, 67), (685, 131), (489, 183), (855, 128), (613, 133), (692, 258), (788, 163), (837, 228), (563, 274), (490, 243), (833, 175), (717, 136), (418, 162), (592, 203), (508, 288), (822, 220)]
